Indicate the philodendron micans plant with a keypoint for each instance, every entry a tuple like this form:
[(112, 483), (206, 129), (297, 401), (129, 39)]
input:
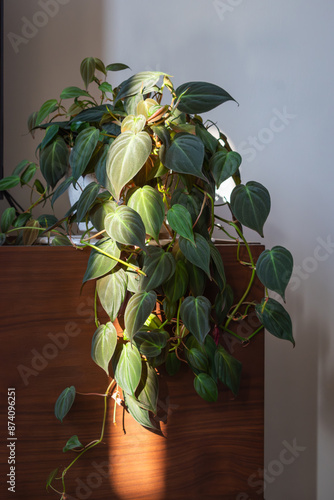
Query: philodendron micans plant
[(152, 210)]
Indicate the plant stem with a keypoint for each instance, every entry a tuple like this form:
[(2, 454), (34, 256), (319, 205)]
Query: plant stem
[(135, 268), (223, 327)]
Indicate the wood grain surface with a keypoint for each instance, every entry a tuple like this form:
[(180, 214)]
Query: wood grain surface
[(208, 451)]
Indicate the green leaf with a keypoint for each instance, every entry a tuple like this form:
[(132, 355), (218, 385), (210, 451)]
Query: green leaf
[(127, 367), (206, 387), (176, 286), (94, 114), (138, 83), (197, 359), (209, 141), (73, 92), (218, 266), (72, 443), (228, 369), (117, 67), (173, 364), (54, 161), (103, 345), (87, 70), (100, 65), (224, 164), (151, 343), (47, 220), (185, 155), (61, 189), (148, 389), (180, 221), (274, 268), (133, 123), (31, 234), (197, 279), (60, 241), (28, 174), (39, 186), (126, 226), (198, 255), (149, 205), (100, 264), (112, 291), (138, 310), (22, 219), (84, 147), (251, 205), (48, 107), (64, 402), (275, 319), (20, 167), (51, 477), (2, 239), (139, 414), (200, 97), (87, 198), (195, 313), (223, 303), (105, 87), (169, 309), (7, 219), (126, 156), (50, 134), (9, 182), (158, 267)]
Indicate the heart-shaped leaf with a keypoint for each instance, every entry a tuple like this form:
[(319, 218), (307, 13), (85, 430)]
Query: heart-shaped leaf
[(198, 255), (218, 266), (111, 291), (224, 164), (200, 97), (251, 205), (72, 92), (148, 389), (138, 83), (87, 70), (72, 443), (197, 279), (127, 367), (173, 364), (151, 343), (133, 123), (7, 219), (103, 345), (83, 150), (274, 268), (99, 263), (185, 155), (87, 198), (149, 205), (98, 214), (64, 402), (275, 319), (197, 360), (126, 226), (138, 310), (176, 286), (228, 369), (206, 387), (195, 313), (158, 266), (138, 413), (47, 107), (126, 156), (180, 221), (53, 161)]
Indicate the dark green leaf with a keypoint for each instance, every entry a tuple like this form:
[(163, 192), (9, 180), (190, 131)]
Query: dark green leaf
[(151, 343), (22, 219), (84, 147), (39, 186), (7, 219), (218, 265), (51, 477), (251, 205), (148, 203), (20, 167), (72, 92), (111, 291), (138, 310), (87, 198), (103, 345), (47, 220), (9, 182), (28, 174), (197, 360), (92, 115), (197, 279), (48, 107), (105, 87), (126, 226), (209, 141), (206, 387), (72, 443), (50, 133), (274, 268), (224, 164), (99, 263), (127, 367), (180, 221), (185, 155), (62, 188), (223, 303), (228, 369), (169, 309), (87, 70), (275, 319), (64, 402), (60, 241), (117, 67), (100, 65), (54, 161), (195, 313), (173, 364), (198, 255), (2, 239), (158, 267), (176, 286), (148, 389), (200, 97)]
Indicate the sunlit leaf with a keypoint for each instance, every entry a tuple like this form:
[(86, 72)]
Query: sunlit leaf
[(200, 97), (103, 345)]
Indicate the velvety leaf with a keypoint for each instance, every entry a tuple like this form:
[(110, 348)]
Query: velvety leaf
[(126, 226), (105, 87), (228, 369), (54, 161), (9, 182), (32, 232), (224, 164), (84, 147), (218, 265), (22, 219), (158, 266), (47, 107), (2, 239), (126, 156), (223, 303), (87, 198), (151, 343), (197, 360), (62, 188), (180, 221), (134, 279), (169, 309), (251, 205), (7, 219), (100, 65), (50, 134), (185, 155), (176, 286), (173, 364), (64, 402), (148, 389), (39, 186), (138, 310), (274, 268), (20, 167), (195, 313), (103, 345), (197, 279), (117, 67), (28, 174), (60, 241), (87, 70), (149, 205), (72, 92), (206, 387), (133, 123), (200, 97), (198, 255), (72, 444), (127, 367), (137, 412), (275, 319), (209, 141), (47, 220), (99, 263), (92, 115), (111, 291), (98, 214), (138, 83)]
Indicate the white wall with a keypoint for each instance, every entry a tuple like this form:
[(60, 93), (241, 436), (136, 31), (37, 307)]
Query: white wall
[(274, 58)]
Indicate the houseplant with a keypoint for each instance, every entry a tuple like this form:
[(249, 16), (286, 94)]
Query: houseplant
[(157, 167)]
